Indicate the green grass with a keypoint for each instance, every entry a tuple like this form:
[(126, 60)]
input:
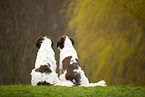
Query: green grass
[(51, 91)]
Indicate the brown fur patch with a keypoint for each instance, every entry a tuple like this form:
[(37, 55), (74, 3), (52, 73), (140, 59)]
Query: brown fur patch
[(39, 41), (43, 83), (51, 43), (72, 40), (77, 78), (78, 61), (43, 69), (66, 62), (73, 76), (60, 42)]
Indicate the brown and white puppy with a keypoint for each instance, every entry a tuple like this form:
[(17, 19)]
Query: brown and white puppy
[(69, 65), (45, 64), (70, 70)]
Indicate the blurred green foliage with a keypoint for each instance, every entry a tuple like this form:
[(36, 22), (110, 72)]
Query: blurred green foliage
[(110, 36)]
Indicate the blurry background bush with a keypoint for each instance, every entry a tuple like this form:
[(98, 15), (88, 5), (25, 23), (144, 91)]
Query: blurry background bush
[(111, 39), (109, 35), (21, 23)]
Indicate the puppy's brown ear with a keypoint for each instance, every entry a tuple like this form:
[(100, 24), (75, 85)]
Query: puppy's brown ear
[(51, 43), (60, 42), (38, 42), (72, 40)]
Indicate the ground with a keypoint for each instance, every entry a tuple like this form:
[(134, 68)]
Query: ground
[(58, 91)]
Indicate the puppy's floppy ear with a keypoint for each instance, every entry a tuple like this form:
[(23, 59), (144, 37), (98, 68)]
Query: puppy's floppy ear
[(72, 40), (38, 42), (51, 43), (60, 42)]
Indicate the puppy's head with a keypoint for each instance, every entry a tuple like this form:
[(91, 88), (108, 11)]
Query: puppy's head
[(62, 40), (42, 39)]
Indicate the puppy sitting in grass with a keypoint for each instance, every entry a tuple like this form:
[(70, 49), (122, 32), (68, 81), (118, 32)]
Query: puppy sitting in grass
[(44, 72), (70, 70)]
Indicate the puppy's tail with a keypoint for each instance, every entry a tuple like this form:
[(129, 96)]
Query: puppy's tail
[(100, 83)]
